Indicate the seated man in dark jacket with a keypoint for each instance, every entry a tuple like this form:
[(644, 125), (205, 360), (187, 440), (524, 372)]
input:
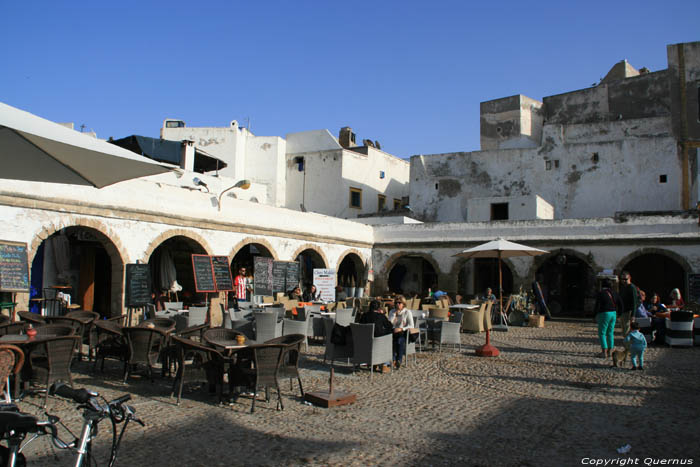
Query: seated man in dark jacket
[(376, 315)]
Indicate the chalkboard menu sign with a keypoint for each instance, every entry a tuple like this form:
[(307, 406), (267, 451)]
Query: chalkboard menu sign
[(203, 273), (138, 285), (292, 275), (14, 271), (279, 276), (262, 275), (222, 273), (694, 288)]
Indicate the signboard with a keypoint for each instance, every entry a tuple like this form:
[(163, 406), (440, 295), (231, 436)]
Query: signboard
[(292, 275), (222, 273), (262, 276), (138, 285), (279, 276), (694, 288), (203, 273), (14, 270), (324, 280)]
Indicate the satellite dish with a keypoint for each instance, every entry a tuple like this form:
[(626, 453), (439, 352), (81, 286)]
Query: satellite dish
[(377, 145), (368, 142)]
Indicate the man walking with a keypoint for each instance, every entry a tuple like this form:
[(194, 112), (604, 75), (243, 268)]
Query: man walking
[(630, 299)]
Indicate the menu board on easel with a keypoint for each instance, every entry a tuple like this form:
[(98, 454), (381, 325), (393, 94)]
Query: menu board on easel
[(138, 285), (203, 273), (262, 276), (222, 273), (14, 269)]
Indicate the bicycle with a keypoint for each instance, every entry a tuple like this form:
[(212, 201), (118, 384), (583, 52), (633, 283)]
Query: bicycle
[(15, 425)]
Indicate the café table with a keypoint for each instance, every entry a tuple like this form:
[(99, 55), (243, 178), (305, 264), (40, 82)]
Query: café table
[(465, 306), (26, 344)]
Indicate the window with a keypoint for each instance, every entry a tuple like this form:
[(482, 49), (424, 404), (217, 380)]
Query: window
[(499, 211), (299, 161), (381, 202), (397, 204), (556, 163), (595, 158), (662, 178), (548, 165), (356, 198), (381, 174), (174, 124)]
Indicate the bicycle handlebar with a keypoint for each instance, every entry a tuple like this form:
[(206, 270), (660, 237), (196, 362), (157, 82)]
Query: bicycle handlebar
[(81, 396)]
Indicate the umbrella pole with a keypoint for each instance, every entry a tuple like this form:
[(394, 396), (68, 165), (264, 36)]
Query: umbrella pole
[(488, 350)]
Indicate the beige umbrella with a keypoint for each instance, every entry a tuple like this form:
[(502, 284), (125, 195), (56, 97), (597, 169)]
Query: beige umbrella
[(498, 248), (38, 150)]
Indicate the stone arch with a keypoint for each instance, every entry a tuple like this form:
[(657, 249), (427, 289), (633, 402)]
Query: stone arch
[(109, 240), (657, 270), (657, 251), (349, 252), (391, 261), (248, 241), (510, 276), (156, 242), (308, 246), (457, 265), (538, 261)]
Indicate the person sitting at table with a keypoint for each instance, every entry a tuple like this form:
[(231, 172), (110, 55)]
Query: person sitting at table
[(311, 294), (295, 294), (489, 296), (402, 319), (658, 322), (340, 294), (642, 310), (376, 315), (676, 299)]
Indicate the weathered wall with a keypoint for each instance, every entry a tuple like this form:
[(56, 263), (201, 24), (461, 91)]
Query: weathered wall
[(584, 170), (520, 208), (511, 122)]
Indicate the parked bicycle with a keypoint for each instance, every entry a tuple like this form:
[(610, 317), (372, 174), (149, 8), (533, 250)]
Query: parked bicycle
[(15, 426)]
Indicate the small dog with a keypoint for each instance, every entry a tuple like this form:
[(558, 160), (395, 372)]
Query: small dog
[(620, 356)]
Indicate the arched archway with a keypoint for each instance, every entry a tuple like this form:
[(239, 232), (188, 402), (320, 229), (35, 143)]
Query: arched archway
[(86, 259), (568, 282), (475, 275), (172, 261), (309, 259), (351, 270), (411, 274), (657, 270)]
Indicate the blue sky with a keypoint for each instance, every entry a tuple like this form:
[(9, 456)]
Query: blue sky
[(409, 74)]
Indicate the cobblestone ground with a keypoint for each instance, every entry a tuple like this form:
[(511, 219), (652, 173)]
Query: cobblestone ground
[(546, 400)]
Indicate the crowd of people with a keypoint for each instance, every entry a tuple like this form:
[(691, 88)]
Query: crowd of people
[(630, 304)]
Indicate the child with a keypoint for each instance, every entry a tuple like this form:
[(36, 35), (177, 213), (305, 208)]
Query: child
[(638, 345)]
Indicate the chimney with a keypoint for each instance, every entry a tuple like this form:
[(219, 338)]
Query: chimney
[(347, 137), (187, 155)]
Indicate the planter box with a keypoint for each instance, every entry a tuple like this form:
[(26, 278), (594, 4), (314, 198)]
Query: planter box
[(536, 321)]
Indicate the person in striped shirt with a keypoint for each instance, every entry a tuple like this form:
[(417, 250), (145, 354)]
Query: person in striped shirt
[(241, 285)]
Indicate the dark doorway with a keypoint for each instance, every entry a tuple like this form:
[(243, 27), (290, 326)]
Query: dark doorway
[(309, 260), (412, 275), (568, 283), (486, 275), (654, 272)]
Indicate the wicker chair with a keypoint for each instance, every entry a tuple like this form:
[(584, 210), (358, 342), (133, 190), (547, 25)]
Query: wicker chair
[(473, 320), (267, 359), (162, 324), (11, 361), (145, 345), (197, 315), (267, 325), (439, 313), (110, 343), (368, 349), (87, 318), (343, 316), (55, 330), (289, 368), (296, 327), (79, 326), (197, 363), (52, 362), (29, 317), (446, 332), (4, 319), (13, 328)]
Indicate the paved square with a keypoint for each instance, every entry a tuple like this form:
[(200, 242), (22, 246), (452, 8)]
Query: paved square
[(547, 400)]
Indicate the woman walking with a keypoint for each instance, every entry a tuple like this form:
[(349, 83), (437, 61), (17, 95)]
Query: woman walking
[(607, 305)]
